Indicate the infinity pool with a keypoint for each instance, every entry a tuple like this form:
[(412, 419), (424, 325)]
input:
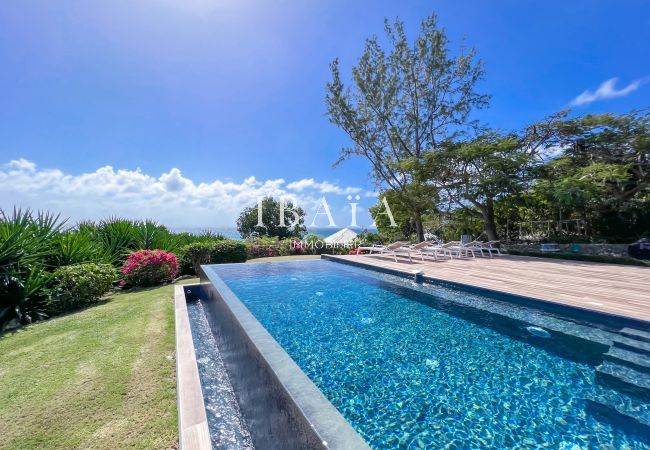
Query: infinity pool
[(423, 366)]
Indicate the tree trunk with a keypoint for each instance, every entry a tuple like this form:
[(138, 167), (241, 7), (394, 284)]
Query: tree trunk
[(419, 229), (489, 224)]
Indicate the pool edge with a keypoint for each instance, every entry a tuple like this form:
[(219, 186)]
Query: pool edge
[(314, 411), (193, 431), (540, 303)]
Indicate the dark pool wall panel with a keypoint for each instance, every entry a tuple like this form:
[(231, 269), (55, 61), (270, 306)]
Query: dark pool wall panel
[(282, 407), (272, 418)]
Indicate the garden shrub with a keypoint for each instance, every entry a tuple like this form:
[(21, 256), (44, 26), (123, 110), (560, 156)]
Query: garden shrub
[(266, 247), (290, 247), (262, 251), (217, 252), (184, 262), (80, 284), (196, 254), (228, 251), (149, 268)]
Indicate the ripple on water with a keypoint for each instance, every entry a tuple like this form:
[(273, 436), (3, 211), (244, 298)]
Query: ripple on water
[(409, 375)]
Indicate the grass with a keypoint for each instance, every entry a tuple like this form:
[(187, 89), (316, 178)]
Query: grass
[(102, 377), (579, 257), (283, 258)]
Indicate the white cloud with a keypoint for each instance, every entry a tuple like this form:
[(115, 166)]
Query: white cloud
[(607, 90), (170, 198), (22, 165), (301, 184), (324, 187)]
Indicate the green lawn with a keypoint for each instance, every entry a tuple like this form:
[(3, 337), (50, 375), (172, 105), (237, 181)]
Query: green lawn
[(99, 378), (102, 377)]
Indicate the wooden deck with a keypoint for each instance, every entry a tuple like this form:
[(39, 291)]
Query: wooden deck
[(607, 288)]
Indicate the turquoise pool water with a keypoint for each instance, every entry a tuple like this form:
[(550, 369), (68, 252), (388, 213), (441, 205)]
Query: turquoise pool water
[(413, 366)]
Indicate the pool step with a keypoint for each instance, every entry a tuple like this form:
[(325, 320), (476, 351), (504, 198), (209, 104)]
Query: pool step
[(624, 379), (637, 361), (633, 333), (633, 345), (623, 411)]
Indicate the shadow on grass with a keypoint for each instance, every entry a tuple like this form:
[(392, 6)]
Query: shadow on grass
[(12, 331), (103, 301)]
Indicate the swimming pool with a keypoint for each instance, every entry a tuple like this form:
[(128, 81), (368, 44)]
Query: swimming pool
[(419, 365)]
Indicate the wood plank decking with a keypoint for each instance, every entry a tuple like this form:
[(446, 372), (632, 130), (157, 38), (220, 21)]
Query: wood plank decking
[(612, 289)]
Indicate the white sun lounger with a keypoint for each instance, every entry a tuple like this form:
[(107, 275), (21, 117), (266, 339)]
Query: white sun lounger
[(459, 249), (394, 249), (488, 246)]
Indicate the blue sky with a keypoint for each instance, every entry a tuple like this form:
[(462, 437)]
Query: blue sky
[(226, 90)]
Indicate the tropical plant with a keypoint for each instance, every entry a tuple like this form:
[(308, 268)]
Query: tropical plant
[(74, 247), (25, 243), (116, 236), (148, 233)]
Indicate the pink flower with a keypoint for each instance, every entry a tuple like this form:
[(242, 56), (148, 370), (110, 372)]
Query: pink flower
[(149, 267)]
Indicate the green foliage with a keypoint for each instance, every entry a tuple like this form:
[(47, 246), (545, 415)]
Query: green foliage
[(228, 251), (405, 222), (405, 101), (25, 244), (457, 223), (33, 245), (196, 254), (366, 238), (74, 247), (214, 252), (314, 245), (601, 177), (475, 174), (263, 247), (147, 234), (247, 223), (80, 285)]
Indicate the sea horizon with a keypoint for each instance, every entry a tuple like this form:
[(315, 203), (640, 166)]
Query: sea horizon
[(232, 233)]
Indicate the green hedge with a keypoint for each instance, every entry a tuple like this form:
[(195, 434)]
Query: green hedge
[(80, 285), (219, 252)]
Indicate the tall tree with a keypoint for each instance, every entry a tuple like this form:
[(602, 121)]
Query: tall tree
[(401, 215), (248, 223), (603, 174), (405, 101), (616, 143), (474, 174)]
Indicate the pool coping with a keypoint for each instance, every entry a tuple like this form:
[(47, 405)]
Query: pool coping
[(332, 429), (193, 431), (545, 304)]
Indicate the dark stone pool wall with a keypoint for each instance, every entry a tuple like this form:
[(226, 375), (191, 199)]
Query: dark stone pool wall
[(282, 407)]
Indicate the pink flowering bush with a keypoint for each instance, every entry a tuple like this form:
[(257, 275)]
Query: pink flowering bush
[(262, 251), (149, 268)]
